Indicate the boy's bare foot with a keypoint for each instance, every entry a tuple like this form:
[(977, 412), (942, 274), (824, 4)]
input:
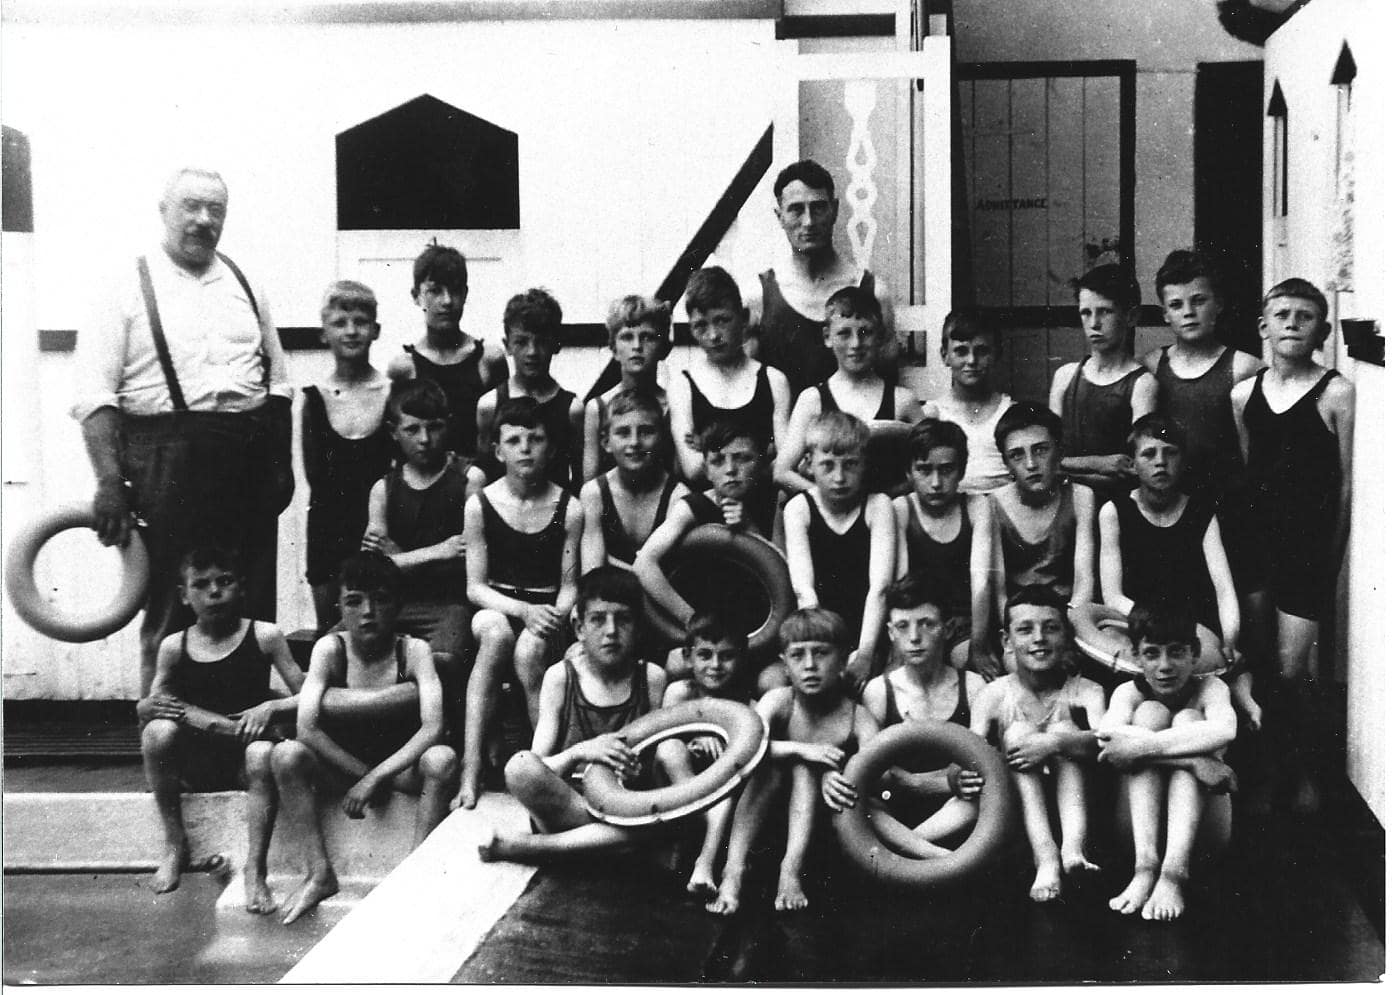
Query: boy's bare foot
[(728, 900), (1133, 897), (489, 849), (257, 896), (317, 887), (167, 871), (702, 882), (1076, 863), (789, 894), (1166, 902), (1046, 887)]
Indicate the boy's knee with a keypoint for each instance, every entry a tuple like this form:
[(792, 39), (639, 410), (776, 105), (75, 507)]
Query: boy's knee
[(1186, 716), (772, 676), (672, 755), (159, 737), (1015, 733), (291, 759), (1151, 715), (523, 771), (257, 758), (492, 628), (438, 763)]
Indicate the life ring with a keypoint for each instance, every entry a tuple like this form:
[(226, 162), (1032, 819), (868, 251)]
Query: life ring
[(749, 554), (737, 725), (925, 745), (1102, 634), (40, 613)]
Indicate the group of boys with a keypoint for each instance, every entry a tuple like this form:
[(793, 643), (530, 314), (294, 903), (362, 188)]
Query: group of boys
[(465, 522)]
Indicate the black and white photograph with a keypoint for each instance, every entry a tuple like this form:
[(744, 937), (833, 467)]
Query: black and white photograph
[(672, 492)]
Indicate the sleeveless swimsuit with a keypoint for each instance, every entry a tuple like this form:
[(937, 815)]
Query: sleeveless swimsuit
[(1096, 418), (886, 410), (1201, 408), (238, 681), (1168, 562), (582, 720), (791, 342), (341, 473), (555, 413), (462, 386), (1020, 705), (756, 416), (525, 565), (619, 547), (985, 470), (1295, 482), (840, 564), (418, 518), (959, 717), (374, 740), (945, 565), (1050, 560)]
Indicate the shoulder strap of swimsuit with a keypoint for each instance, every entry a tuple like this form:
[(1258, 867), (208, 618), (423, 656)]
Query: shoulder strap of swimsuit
[(1321, 385), (892, 709), (400, 651), (887, 409), (607, 499), (665, 496), (868, 281), (826, 401), (963, 692)]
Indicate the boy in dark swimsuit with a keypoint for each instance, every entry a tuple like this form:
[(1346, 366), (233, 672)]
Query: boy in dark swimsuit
[(211, 702), (1165, 731), (523, 533), (532, 336), (854, 330), (814, 728), (639, 341), (937, 804), (346, 446), (1099, 397), (595, 691), (464, 367), (947, 537), (625, 505), (1295, 423), (840, 540), (375, 754)]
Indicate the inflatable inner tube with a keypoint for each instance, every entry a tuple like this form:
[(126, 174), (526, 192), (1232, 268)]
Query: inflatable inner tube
[(737, 725), (718, 568), (40, 613), (1102, 634), (927, 746)]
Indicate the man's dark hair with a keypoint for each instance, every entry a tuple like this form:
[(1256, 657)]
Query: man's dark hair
[(443, 265), (1026, 414), (609, 583), (808, 172)]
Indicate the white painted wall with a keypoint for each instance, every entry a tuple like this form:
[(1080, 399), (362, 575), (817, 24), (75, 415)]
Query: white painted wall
[(1301, 56)]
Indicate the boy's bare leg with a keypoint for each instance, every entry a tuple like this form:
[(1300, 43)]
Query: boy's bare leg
[(568, 829), (677, 765), (1037, 821), (804, 797), (1145, 789), (293, 767), (438, 768), (954, 816), (899, 837), (1185, 802), (261, 818), (1296, 650), (751, 810), (494, 637), (158, 744), (1071, 806), (530, 662)]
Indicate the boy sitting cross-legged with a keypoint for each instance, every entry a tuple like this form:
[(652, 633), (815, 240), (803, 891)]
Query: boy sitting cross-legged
[(1166, 731), (374, 755), (211, 700), (596, 690), (814, 728), (715, 650), (1044, 719), (522, 533)]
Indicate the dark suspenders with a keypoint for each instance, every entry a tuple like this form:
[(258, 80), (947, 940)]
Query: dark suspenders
[(157, 331)]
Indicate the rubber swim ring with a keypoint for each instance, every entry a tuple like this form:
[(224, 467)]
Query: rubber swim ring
[(745, 552), (41, 614), (736, 724), (1102, 634), (925, 745)]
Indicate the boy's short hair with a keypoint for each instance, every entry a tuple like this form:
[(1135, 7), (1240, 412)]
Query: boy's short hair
[(419, 398), (636, 309), (1183, 266), (1296, 287), (710, 288), (634, 399), (963, 324), (370, 570), (839, 433), (1040, 596), (441, 264), (912, 591), (1026, 414), (714, 628), (936, 433), (808, 172), (1157, 426), (535, 311), (815, 625), (1112, 282), (723, 432), (855, 302), (610, 583), (522, 412), (1163, 622), (349, 295), (208, 557)]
